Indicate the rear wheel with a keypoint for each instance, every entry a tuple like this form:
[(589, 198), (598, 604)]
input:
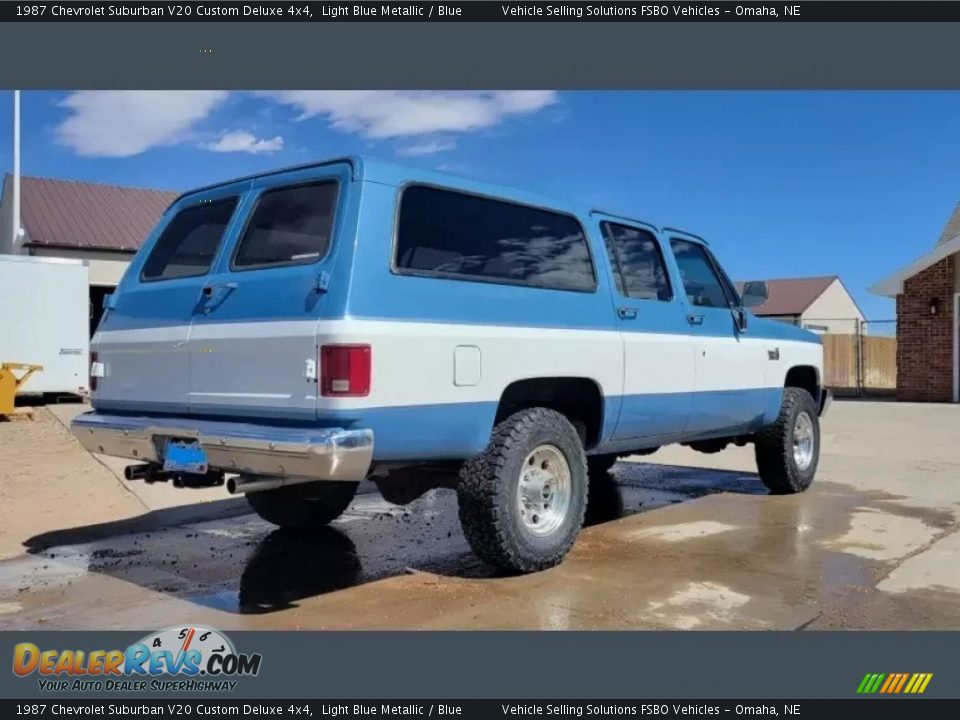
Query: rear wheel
[(522, 501), (788, 450), (303, 504)]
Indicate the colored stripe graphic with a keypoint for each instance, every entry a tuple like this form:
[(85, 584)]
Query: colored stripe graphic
[(894, 683)]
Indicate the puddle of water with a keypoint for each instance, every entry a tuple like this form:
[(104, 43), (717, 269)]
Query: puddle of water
[(683, 531), (877, 535), (698, 603)]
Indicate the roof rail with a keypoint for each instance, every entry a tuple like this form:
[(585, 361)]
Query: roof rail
[(352, 161)]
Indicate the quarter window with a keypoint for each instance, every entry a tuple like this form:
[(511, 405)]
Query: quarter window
[(189, 241), (290, 226), (442, 233), (700, 281), (638, 268)]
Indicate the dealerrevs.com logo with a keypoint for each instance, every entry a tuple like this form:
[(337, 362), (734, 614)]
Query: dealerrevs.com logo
[(180, 659)]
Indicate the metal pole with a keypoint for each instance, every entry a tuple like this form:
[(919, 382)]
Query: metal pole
[(15, 249)]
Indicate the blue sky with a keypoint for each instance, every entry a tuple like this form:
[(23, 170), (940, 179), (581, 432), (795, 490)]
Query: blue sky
[(781, 183)]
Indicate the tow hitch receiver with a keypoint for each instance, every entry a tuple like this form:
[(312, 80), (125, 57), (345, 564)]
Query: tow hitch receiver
[(152, 473)]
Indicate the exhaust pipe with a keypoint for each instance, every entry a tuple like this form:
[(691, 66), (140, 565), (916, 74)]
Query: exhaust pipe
[(240, 484)]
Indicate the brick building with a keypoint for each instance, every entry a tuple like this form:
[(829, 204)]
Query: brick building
[(928, 320)]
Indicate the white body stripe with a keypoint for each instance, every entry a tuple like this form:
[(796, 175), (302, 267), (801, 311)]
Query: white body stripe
[(413, 362)]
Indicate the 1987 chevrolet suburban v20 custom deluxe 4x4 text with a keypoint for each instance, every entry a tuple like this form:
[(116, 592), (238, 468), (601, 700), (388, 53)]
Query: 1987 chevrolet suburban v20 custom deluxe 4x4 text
[(298, 331)]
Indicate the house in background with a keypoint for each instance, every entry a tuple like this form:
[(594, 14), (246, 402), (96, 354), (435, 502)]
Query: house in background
[(928, 313), (821, 304), (103, 225)]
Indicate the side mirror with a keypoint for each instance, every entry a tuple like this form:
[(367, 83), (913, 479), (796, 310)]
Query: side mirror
[(754, 293)]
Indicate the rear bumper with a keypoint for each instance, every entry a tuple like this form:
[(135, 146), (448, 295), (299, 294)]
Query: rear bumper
[(320, 454), (826, 399)]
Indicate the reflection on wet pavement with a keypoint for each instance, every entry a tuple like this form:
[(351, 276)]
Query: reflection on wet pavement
[(714, 556), (244, 565)]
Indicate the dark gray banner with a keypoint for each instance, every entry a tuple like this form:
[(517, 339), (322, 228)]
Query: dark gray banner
[(519, 665), (250, 55)]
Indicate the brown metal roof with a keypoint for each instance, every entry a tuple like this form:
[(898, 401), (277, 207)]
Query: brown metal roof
[(70, 214), (791, 296)]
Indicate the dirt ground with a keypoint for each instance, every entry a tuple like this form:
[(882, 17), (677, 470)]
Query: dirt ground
[(678, 541), (48, 481)]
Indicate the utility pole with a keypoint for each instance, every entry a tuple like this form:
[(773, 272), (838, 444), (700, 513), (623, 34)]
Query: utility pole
[(15, 247)]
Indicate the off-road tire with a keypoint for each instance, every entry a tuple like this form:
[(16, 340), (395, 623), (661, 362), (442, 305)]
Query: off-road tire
[(488, 487), (303, 505), (773, 446)]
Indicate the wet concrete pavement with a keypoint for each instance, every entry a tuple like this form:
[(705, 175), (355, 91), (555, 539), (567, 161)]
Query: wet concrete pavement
[(686, 541)]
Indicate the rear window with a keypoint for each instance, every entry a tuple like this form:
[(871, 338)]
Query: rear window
[(290, 226), (443, 233), (187, 245)]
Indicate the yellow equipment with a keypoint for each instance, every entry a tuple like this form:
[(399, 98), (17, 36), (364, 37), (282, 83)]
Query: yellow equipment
[(10, 383)]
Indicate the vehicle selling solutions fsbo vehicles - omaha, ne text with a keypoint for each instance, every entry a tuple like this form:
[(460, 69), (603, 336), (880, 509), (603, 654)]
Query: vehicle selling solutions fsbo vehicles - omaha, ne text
[(298, 331)]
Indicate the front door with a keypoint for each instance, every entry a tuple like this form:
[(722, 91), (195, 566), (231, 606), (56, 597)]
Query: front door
[(253, 343), (729, 395), (658, 357)]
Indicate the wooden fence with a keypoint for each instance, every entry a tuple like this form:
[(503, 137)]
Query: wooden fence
[(860, 363)]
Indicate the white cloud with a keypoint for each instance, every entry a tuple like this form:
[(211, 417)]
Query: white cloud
[(125, 123), (430, 147), (244, 142), (392, 114)]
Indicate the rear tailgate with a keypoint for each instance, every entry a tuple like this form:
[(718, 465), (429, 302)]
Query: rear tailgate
[(139, 350), (253, 341)]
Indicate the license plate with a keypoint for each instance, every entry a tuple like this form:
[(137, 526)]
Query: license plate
[(185, 456)]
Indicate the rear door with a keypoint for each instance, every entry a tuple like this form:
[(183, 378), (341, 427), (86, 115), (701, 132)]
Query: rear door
[(141, 344), (729, 394), (253, 343), (658, 354)]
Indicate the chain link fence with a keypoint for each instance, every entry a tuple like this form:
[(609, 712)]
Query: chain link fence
[(859, 356)]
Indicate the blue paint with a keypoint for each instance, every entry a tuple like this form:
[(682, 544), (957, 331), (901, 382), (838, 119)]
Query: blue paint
[(359, 282), (462, 430)]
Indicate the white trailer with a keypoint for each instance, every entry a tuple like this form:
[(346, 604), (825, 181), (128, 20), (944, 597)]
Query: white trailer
[(45, 320)]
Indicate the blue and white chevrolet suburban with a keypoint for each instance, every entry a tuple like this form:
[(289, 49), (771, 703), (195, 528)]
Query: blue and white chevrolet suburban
[(292, 333)]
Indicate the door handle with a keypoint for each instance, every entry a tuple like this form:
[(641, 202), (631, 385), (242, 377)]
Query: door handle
[(625, 313), (695, 319), (214, 295)]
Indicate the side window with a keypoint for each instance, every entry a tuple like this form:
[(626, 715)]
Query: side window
[(638, 267), (732, 295), (444, 233), (187, 245), (289, 226), (700, 281)]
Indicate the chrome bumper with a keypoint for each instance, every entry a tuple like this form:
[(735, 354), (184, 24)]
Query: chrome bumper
[(321, 453), (826, 399)]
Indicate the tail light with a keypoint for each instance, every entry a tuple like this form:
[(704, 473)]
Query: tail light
[(96, 370), (345, 370)]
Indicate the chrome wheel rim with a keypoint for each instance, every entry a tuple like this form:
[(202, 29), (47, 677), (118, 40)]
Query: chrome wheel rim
[(804, 441), (544, 490)]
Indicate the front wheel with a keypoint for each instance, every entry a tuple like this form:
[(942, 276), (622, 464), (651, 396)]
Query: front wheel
[(304, 504), (522, 501), (788, 450)]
